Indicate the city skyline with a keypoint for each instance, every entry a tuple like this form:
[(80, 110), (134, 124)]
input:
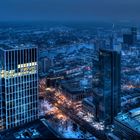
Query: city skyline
[(70, 69)]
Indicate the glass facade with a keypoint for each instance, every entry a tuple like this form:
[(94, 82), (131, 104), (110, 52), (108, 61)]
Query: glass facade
[(109, 104), (19, 86), (2, 118)]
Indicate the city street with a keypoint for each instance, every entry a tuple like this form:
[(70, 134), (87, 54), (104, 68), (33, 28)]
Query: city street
[(54, 103)]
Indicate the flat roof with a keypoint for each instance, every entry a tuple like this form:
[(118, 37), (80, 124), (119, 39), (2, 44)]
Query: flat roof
[(131, 121), (74, 88), (5, 47), (44, 131), (89, 101), (135, 110)]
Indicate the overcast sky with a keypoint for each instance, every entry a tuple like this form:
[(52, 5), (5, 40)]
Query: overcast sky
[(104, 10)]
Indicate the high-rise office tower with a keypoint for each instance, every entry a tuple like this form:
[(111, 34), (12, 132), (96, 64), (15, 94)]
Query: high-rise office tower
[(99, 43), (134, 33), (128, 39), (18, 85), (107, 95)]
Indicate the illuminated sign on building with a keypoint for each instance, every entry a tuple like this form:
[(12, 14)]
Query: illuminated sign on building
[(24, 69)]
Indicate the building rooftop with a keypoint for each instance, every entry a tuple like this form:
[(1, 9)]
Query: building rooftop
[(89, 101), (5, 47), (131, 119), (135, 111), (35, 129), (75, 88)]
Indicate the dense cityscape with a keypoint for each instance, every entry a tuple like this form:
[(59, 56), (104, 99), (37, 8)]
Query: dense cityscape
[(70, 81)]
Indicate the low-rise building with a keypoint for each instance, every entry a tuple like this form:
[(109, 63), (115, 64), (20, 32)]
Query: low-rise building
[(127, 126)]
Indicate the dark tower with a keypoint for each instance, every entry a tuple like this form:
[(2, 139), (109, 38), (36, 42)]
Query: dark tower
[(134, 33), (107, 95)]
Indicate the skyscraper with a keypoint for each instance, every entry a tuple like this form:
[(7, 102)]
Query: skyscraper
[(107, 96), (18, 85), (134, 33), (128, 39)]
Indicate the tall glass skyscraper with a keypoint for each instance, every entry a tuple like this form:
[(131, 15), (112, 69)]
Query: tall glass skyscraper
[(108, 95), (18, 85)]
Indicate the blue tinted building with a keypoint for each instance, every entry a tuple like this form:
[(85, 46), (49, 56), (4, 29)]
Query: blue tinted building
[(127, 125), (18, 85), (107, 94)]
